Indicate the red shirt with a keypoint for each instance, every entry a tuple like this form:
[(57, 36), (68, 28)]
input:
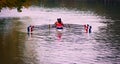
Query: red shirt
[(59, 24)]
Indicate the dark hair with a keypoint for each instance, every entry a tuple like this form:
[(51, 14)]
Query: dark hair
[(59, 20)]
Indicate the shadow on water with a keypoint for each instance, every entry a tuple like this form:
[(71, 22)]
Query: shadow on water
[(109, 37)]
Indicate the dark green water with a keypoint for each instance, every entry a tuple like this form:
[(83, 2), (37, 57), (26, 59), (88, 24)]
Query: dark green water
[(102, 46)]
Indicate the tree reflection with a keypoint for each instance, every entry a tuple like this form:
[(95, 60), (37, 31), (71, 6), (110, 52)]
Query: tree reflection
[(10, 41)]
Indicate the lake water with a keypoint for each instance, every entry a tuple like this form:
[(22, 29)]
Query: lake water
[(72, 46)]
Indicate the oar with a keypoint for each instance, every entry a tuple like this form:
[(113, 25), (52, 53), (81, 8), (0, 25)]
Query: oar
[(69, 27), (49, 26)]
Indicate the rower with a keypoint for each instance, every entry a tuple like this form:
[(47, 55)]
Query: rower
[(59, 24)]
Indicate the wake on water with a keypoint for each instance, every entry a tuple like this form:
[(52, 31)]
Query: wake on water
[(49, 32)]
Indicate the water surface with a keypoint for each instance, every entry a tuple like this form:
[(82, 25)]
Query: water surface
[(72, 46)]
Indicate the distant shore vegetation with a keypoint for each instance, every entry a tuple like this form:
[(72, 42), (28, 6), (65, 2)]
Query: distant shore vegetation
[(18, 4)]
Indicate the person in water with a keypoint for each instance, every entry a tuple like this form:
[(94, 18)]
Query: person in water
[(86, 28), (30, 28), (59, 24), (90, 29)]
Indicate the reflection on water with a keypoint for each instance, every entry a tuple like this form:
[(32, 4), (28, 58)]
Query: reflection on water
[(10, 41), (46, 46)]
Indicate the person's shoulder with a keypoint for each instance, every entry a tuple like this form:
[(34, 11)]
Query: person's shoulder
[(56, 22)]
